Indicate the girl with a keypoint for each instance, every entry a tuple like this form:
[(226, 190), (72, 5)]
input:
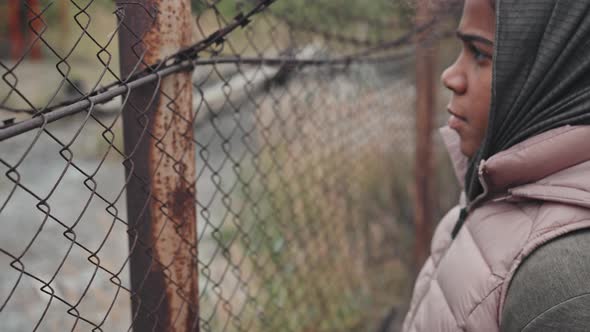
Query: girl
[(514, 255)]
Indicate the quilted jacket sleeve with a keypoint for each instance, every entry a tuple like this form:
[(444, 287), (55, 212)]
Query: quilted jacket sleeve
[(551, 289)]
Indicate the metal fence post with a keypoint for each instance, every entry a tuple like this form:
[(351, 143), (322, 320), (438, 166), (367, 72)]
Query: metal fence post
[(158, 134), (15, 33), (425, 103)]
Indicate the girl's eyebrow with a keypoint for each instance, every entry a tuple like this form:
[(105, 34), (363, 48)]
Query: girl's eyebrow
[(473, 38)]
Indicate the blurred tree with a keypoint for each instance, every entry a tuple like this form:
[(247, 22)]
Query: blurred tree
[(327, 14)]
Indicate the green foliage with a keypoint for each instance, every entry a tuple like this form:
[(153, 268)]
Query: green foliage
[(372, 21), (198, 6), (227, 8), (345, 15)]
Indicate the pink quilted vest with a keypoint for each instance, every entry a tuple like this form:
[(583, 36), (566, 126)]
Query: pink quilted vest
[(534, 192)]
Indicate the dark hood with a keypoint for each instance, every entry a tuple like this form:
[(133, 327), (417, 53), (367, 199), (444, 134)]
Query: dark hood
[(541, 74)]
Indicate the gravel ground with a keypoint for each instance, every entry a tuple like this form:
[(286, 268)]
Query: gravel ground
[(42, 245)]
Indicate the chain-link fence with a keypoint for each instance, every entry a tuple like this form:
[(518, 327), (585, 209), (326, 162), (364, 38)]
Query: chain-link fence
[(285, 128)]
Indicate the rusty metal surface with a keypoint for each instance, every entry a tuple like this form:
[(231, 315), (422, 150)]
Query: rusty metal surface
[(425, 106), (161, 169)]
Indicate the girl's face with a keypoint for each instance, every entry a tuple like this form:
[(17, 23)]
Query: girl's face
[(470, 77)]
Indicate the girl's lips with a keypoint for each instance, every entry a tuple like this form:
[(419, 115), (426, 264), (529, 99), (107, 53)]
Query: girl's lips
[(455, 122)]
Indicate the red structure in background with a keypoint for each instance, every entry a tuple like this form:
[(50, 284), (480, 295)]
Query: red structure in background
[(34, 27), (23, 21), (15, 34)]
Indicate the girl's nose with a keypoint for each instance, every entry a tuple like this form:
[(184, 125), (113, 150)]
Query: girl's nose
[(454, 79)]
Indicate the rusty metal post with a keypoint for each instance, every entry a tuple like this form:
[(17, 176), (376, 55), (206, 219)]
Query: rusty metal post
[(425, 101), (15, 30), (36, 27), (160, 165)]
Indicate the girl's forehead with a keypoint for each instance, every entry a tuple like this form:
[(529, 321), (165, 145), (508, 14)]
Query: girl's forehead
[(478, 18)]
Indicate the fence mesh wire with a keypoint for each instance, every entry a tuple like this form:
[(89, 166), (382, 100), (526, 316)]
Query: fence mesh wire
[(302, 129)]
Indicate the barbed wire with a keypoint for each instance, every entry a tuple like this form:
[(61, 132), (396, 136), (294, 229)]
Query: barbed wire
[(156, 72)]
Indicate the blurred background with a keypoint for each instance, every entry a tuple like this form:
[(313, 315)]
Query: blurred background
[(318, 170)]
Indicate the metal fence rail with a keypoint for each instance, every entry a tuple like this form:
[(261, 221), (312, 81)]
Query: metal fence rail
[(237, 166)]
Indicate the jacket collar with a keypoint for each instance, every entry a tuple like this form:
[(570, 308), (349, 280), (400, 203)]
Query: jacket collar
[(556, 158), (459, 160)]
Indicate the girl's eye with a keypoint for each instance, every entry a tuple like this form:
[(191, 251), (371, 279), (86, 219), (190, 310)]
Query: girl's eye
[(477, 54)]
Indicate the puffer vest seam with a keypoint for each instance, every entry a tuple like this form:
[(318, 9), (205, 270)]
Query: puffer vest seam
[(430, 279), (492, 291), (531, 221), (429, 289), (556, 227), (493, 215), (479, 250), (445, 297)]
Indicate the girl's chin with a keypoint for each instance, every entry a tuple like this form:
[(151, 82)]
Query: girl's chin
[(467, 149)]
